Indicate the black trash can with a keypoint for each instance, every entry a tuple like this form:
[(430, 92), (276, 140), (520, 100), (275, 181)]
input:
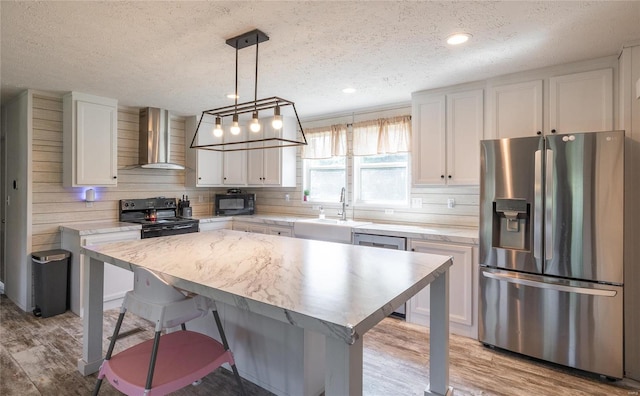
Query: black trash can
[(50, 273)]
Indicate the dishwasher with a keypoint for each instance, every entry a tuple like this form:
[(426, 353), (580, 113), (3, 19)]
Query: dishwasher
[(385, 242)]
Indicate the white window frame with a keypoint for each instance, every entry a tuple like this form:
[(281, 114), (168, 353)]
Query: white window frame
[(357, 190), (307, 177)]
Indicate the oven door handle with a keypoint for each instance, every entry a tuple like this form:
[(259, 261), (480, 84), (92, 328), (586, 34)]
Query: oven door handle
[(180, 227)]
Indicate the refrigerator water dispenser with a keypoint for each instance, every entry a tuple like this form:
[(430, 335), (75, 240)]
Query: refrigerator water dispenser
[(511, 223)]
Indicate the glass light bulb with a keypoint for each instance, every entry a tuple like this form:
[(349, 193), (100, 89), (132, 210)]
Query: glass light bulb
[(277, 122), (217, 130), (255, 125), (235, 128)]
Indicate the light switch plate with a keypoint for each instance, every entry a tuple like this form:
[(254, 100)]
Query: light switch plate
[(451, 203), (416, 202)]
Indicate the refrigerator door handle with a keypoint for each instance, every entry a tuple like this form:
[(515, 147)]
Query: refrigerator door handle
[(551, 286), (537, 207), (548, 209)]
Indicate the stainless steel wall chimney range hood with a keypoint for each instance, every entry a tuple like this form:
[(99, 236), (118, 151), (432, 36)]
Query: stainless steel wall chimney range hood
[(155, 139)]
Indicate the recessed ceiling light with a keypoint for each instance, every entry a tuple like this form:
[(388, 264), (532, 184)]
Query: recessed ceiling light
[(458, 38), (232, 96), (349, 90)]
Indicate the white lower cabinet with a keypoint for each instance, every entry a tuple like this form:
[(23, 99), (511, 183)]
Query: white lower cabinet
[(261, 228), (117, 281), (216, 225), (282, 231), (462, 288)]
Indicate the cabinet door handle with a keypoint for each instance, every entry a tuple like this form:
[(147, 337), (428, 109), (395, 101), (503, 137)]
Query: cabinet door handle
[(442, 176), (413, 249), (539, 133), (553, 131), (449, 176), (115, 177), (199, 178)]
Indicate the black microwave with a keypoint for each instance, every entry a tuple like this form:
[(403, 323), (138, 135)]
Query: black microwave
[(235, 204)]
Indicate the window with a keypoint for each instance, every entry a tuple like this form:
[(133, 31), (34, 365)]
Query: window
[(381, 179), (380, 162), (324, 178)]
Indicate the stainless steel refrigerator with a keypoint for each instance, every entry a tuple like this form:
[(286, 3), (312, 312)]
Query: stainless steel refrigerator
[(551, 248)]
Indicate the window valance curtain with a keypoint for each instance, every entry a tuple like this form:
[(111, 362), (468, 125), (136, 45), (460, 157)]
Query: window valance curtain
[(325, 142), (382, 136)]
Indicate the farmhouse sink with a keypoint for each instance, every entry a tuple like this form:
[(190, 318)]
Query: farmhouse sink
[(331, 230)]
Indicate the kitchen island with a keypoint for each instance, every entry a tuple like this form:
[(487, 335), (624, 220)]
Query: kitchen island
[(337, 291)]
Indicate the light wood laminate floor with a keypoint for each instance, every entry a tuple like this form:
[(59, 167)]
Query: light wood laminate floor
[(38, 357)]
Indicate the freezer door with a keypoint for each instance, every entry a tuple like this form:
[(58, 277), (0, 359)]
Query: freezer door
[(573, 323), (584, 206), (511, 204)]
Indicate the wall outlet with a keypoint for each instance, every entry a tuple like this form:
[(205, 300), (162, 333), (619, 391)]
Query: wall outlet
[(287, 197), (451, 203), (416, 202), (388, 211)]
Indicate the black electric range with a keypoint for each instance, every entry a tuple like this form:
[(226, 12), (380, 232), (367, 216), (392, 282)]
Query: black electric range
[(157, 216)]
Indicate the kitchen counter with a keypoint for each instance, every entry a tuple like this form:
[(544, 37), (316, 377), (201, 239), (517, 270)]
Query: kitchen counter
[(321, 287), (441, 234), (99, 227)]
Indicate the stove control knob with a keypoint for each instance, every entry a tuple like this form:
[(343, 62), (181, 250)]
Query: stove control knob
[(133, 204), (126, 204)]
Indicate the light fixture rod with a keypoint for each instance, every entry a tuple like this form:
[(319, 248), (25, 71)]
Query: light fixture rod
[(255, 89), (236, 92)]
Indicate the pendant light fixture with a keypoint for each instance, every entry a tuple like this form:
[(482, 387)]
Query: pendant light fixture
[(270, 131)]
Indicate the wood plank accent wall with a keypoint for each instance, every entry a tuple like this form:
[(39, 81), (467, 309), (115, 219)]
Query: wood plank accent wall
[(54, 205)]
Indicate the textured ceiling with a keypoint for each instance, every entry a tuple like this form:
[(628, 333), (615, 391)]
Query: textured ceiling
[(173, 54)]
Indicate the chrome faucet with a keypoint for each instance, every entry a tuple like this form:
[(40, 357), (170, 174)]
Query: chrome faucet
[(343, 200)]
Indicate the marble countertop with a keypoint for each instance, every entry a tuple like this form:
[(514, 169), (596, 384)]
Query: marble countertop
[(442, 234), (100, 227), (338, 290)]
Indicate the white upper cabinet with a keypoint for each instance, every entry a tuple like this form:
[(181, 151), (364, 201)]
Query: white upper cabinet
[(204, 167), (234, 169), (273, 166), (447, 129), (258, 167), (90, 140), (515, 110), (581, 102), (577, 102)]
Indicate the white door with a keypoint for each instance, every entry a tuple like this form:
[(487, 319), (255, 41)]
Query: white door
[(96, 144), (208, 163), (17, 276), (515, 110), (461, 287), (235, 162), (465, 125), (429, 145), (581, 102)]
